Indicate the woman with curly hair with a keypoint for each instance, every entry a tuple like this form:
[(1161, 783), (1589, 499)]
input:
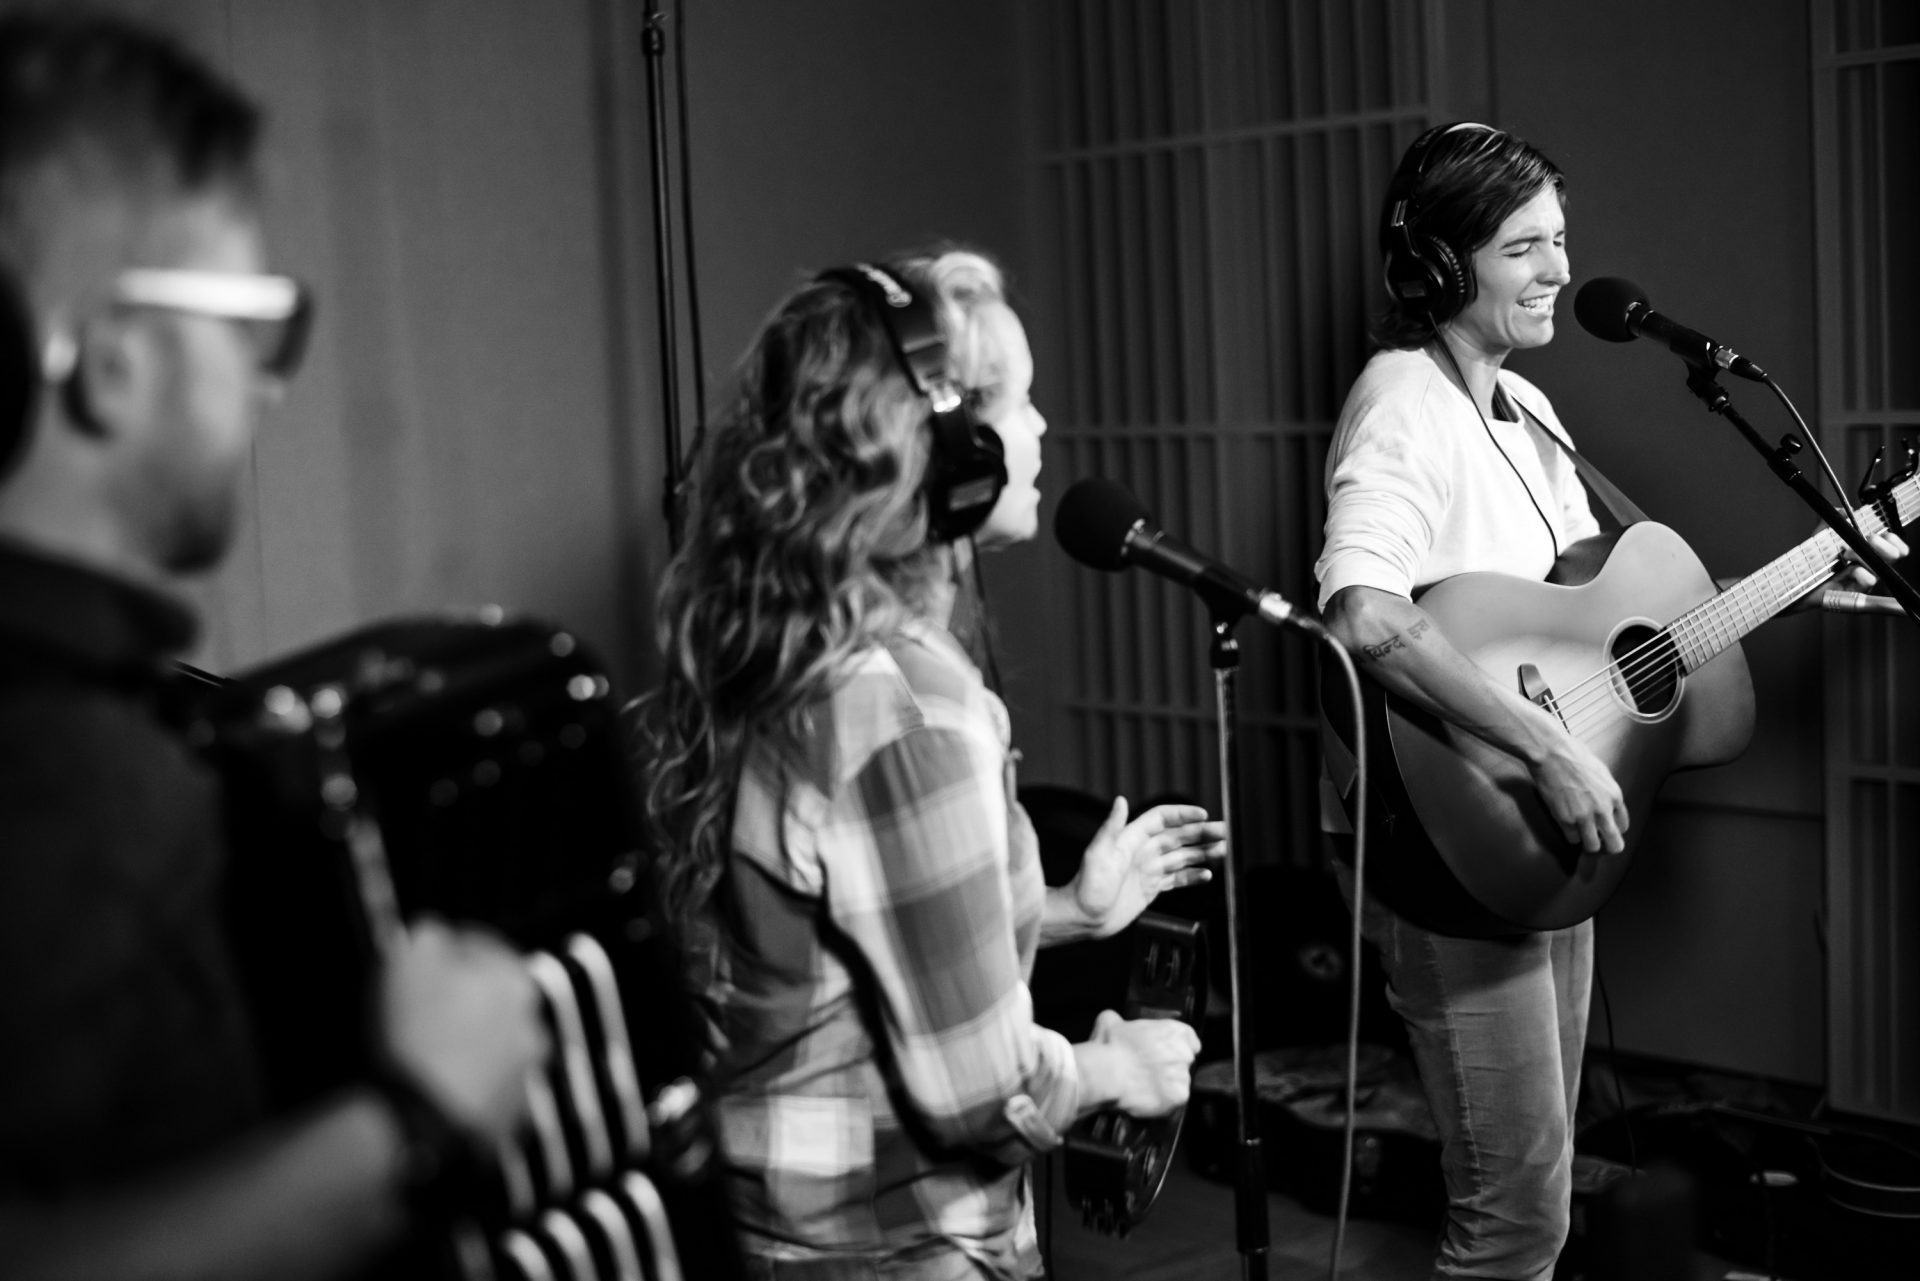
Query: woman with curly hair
[(832, 786)]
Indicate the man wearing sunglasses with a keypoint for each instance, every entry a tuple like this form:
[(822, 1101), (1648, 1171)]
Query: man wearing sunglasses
[(140, 339)]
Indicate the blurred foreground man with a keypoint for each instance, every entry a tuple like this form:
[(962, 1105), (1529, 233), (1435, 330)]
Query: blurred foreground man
[(139, 341)]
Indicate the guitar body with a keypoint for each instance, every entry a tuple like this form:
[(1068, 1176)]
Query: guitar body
[(1459, 841)]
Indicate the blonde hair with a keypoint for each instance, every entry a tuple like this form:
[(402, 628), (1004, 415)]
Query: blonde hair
[(805, 544), (960, 283)]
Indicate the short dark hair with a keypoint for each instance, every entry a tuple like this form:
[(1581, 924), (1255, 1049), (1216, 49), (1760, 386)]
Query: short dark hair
[(91, 87), (1473, 180)]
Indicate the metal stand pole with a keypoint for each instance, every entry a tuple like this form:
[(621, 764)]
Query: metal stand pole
[(1250, 1184), (654, 45)]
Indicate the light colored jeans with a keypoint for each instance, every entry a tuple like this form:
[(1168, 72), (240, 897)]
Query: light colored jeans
[(1497, 1028), (936, 1265)]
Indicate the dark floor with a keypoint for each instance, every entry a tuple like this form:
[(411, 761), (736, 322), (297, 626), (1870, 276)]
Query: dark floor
[(1759, 1162), (1190, 1236)]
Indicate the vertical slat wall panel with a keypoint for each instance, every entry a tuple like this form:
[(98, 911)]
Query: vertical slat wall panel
[(459, 434), (1866, 71), (1211, 176)]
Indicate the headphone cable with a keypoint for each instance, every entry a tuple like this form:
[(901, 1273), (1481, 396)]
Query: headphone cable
[(1487, 427), (983, 622)]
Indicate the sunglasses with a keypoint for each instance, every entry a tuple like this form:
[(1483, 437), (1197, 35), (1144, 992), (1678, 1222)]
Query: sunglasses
[(275, 312)]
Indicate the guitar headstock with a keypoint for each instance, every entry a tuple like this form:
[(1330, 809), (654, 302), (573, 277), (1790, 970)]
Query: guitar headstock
[(1896, 498)]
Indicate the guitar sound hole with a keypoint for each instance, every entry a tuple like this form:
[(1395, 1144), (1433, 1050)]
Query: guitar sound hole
[(1646, 669)]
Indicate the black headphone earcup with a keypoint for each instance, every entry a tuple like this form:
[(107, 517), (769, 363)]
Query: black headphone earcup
[(966, 470), (1409, 280), (1456, 287), (1426, 274), (19, 373)]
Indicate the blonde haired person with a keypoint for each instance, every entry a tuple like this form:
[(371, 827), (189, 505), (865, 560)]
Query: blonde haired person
[(832, 785)]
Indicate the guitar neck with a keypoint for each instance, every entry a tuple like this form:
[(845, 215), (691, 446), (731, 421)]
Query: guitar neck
[(1713, 625)]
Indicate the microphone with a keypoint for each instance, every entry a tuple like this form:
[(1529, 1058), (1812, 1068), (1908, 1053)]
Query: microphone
[(1842, 600), (1103, 525), (1618, 311)]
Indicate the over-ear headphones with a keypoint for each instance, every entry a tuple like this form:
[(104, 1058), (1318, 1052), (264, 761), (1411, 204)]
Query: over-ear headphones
[(19, 372), (1424, 273), (967, 467)]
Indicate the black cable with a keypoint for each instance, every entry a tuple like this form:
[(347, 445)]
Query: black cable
[(1806, 434), (983, 621), (1487, 427), (1613, 1066), (1354, 951)]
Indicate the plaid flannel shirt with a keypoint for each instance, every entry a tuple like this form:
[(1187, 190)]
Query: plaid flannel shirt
[(882, 1081)]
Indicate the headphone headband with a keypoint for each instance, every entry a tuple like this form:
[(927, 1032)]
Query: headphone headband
[(911, 328), (1413, 165)]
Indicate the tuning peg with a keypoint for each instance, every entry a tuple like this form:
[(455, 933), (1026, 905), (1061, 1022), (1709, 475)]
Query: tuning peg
[(1868, 491), (1913, 463)]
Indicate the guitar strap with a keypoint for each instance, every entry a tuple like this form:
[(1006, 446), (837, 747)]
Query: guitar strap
[(1618, 505)]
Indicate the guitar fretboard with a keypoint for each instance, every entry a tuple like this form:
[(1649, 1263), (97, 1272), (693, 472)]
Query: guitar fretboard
[(1712, 625)]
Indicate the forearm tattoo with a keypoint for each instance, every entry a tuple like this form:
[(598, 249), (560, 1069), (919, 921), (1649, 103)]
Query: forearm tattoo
[(1396, 641)]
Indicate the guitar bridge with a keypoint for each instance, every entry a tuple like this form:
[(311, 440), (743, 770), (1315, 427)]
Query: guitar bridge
[(1534, 688)]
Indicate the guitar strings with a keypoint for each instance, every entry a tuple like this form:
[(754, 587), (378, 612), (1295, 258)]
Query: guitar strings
[(1644, 668), (1640, 668), (1654, 656)]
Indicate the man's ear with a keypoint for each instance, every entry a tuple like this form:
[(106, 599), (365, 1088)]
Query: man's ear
[(111, 385)]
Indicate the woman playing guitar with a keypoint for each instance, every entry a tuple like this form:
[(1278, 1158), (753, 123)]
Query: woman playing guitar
[(1443, 464), (1435, 471)]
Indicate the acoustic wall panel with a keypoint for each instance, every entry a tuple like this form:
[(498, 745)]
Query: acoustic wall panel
[(1209, 178), (1866, 79)]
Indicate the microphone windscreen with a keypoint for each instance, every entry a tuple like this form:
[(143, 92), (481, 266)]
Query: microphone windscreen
[(1602, 304), (1093, 521)]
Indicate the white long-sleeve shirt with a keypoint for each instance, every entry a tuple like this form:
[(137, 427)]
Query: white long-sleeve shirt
[(1418, 490)]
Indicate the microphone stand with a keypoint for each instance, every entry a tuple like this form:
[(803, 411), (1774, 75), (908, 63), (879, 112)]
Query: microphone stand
[(654, 47), (1702, 383), (1249, 1181)]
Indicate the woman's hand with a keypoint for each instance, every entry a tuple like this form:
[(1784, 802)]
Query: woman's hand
[(1129, 864), (1148, 1062), (1855, 575), (1580, 792), (1888, 544)]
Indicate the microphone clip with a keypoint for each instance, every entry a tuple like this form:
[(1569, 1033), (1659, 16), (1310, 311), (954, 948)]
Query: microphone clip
[(1703, 380)]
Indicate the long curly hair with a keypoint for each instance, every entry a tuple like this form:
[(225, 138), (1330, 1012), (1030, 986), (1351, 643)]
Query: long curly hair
[(805, 544)]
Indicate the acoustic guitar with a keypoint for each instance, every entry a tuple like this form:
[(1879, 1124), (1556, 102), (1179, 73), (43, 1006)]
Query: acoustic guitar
[(1630, 647)]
